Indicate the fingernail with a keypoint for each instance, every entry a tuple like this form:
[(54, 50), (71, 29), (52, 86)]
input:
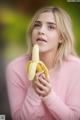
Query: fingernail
[(39, 73)]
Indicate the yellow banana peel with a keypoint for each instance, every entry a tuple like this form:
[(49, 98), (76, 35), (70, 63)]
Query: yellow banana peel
[(35, 65)]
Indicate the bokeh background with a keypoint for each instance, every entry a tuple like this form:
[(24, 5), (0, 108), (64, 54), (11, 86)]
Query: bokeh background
[(15, 16)]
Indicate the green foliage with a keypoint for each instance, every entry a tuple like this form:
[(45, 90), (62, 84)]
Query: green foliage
[(16, 25)]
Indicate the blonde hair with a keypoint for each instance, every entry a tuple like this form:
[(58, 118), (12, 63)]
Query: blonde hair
[(64, 26)]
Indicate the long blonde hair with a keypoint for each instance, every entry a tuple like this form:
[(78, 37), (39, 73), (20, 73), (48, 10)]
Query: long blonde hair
[(64, 26)]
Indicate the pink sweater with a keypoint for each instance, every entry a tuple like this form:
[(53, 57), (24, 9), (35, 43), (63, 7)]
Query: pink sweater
[(63, 102)]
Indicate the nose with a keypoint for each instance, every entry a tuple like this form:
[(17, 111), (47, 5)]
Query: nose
[(42, 30)]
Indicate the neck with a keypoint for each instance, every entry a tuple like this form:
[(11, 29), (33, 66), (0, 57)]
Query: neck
[(48, 58)]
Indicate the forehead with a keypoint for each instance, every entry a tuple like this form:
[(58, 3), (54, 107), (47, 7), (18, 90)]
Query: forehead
[(46, 16)]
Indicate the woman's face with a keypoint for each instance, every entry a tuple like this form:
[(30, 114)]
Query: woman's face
[(45, 33)]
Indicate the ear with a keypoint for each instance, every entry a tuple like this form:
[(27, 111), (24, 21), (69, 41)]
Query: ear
[(60, 39)]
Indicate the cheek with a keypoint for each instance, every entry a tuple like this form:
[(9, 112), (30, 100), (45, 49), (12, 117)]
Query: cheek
[(34, 33), (54, 38)]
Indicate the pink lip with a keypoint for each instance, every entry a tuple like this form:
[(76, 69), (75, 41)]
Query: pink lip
[(41, 39)]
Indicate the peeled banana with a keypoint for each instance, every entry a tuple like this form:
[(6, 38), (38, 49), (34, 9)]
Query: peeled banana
[(35, 65)]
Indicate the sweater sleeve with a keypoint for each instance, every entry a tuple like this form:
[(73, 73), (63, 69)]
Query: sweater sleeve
[(25, 104), (69, 110)]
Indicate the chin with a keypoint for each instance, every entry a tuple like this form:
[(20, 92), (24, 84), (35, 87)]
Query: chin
[(42, 50)]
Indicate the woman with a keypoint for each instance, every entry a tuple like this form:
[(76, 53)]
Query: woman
[(57, 97)]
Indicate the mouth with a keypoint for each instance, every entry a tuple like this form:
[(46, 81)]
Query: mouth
[(41, 39)]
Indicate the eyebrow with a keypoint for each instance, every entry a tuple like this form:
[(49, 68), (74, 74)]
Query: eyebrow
[(50, 23)]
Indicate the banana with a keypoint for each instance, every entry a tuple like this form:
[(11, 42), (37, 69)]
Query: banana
[(35, 65)]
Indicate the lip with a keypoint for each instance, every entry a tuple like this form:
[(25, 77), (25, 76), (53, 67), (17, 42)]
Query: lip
[(41, 39)]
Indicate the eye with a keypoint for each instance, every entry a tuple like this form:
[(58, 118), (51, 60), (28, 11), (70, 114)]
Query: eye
[(51, 27), (37, 25)]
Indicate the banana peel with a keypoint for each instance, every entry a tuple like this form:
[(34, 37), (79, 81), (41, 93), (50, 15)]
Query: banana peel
[(35, 65)]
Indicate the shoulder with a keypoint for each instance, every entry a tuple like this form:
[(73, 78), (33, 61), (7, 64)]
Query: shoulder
[(18, 63), (72, 65), (70, 70), (73, 61), (73, 72)]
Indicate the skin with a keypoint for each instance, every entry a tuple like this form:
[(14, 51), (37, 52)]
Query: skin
[(41, 84), (45, 28)]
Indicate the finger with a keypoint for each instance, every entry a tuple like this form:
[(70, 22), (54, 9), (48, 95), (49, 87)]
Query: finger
[(40, 85), (44, 77), (40, 92), (45, 82), (38, 74), (46, 89)]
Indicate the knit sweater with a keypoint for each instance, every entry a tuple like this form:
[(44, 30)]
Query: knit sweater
[(62, 103)]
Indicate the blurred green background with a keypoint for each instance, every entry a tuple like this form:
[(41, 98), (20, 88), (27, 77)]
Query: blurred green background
[(15, 15)]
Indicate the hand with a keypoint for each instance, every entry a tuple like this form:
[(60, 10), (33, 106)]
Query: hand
[(42, 84)]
